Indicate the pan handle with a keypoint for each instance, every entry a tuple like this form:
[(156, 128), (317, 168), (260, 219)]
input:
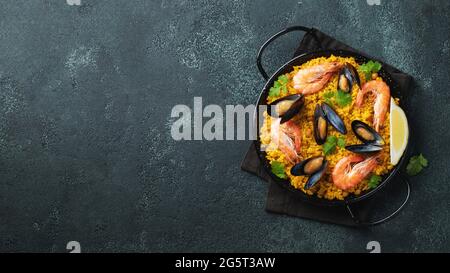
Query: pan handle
[(274, 37), (390, 216)]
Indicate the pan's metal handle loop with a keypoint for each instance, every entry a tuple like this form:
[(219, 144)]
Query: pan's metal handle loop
[(390, 216), (274, 37)]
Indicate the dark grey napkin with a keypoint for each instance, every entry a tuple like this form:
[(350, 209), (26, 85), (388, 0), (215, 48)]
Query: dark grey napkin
[(283, 201)]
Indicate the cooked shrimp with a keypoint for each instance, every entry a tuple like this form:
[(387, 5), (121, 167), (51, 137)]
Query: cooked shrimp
[(382, 100), (345, 176), (287, 137), (313, 79), (294, 132)]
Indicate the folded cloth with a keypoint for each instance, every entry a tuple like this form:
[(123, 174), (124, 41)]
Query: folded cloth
[(281, 200)]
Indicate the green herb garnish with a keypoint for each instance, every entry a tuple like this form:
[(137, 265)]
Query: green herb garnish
[(330, 145), (283, 79), (278, 169), (374, 181), (369, 68), (416, 165), (328, 96), (279, 87), (342, 98), (274, 92), (341, 142)]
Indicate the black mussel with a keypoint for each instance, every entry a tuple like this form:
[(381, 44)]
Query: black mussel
[(363, 148), (286, 108), (320, 125), (313, 179), (314, 167), (354, 73), (348, 76), (334, 119), (308, 166), (366, 134)]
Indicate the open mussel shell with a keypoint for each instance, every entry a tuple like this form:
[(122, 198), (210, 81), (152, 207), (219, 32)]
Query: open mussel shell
[(334, 119), (320, 125), (308, 166), (313, 179), (363, 148), (313, 167), (348, 77), (366, 134), (287, 107)]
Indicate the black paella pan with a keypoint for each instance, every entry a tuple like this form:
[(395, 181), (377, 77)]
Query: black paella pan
[(393, 175)]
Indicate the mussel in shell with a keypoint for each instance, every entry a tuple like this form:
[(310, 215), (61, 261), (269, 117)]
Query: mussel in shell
[(287, 107), (313, 179), (320, 125), (314, 167), (348, 77), (308, 166), (334, 119), (372, 141), (366, 134)]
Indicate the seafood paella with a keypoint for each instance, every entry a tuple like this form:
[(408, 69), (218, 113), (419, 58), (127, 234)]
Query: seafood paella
[(327, 127)]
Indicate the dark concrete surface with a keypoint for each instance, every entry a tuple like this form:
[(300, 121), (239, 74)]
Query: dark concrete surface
[(85, 100)]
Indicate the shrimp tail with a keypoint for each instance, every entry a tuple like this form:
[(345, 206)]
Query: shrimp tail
[(360, 98), (366, 167)]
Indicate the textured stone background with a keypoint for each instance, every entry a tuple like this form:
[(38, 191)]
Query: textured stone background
[(85, 99)]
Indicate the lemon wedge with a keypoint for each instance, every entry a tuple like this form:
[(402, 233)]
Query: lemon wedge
[(399, 132)]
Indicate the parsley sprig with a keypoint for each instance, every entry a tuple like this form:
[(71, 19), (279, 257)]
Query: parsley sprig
[(278, 169), (339, 98), (416, 164), (374, 181), (369, 68), (328, 96), (279, 87), (330, 144), (342, 98)]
